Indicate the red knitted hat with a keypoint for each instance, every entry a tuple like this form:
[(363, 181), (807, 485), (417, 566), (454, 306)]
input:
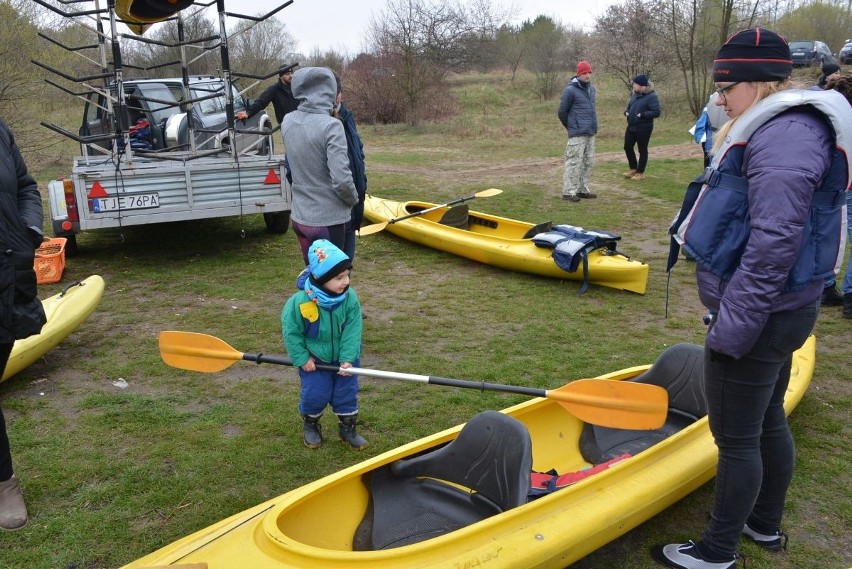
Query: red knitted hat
[(584, 67)]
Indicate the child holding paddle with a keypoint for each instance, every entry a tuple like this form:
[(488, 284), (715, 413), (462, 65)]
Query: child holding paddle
[(321, 324)]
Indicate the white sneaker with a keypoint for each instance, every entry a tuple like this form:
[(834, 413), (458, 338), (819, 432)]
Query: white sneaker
[(686, 556), (773, 542)]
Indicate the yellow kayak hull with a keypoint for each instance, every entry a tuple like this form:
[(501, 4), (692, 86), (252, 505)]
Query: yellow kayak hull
[(138, 15), (499, 241), (65, 311), (313, 526)]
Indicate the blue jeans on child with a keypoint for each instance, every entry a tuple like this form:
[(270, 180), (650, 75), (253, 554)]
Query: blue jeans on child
[(321, 388), (745, 399)]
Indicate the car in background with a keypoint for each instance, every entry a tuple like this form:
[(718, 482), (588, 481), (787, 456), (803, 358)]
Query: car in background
[(845, 53), (156, 113), (810, 53)]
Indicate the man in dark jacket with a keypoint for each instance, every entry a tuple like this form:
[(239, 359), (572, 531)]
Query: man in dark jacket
[(279, 95), (642, 108), (578, 115), (21, 313)]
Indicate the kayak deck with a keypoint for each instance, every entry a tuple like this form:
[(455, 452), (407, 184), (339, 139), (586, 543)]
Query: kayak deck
[(501, 242), (65, 311)]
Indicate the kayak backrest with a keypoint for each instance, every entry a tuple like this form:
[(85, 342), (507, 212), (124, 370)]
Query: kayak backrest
[(491, 455), (419, 498), (456, 217), (680, 370)]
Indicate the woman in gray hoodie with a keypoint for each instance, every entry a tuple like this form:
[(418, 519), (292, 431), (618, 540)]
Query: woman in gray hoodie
[(318, 161)]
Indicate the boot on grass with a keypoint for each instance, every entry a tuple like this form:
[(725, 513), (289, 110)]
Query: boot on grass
[(348, 433), (847, 305), (13, 511), (831, 297), (313, 431)]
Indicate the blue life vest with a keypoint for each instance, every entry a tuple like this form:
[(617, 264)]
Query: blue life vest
[(718, 236), (571, 246)]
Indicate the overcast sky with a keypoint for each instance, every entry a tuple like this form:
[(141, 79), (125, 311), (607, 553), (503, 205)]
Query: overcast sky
[(341, 24)]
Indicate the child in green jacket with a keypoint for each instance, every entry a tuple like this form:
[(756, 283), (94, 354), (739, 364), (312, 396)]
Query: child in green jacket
[(322, 326)]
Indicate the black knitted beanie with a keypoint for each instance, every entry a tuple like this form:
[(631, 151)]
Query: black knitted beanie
[(753, 55)]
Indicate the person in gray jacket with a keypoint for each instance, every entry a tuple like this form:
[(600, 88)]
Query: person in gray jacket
[(578, 115), (318, 160), (21, 312)]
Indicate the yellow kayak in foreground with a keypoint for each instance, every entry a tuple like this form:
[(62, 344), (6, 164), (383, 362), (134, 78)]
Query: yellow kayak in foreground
[(321, 525), (501, 242), (65, 311)]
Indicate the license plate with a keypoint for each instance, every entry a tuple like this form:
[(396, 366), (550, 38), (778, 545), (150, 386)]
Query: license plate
[(136, 201)]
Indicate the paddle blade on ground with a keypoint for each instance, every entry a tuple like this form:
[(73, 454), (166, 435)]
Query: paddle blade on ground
[(617, 404), (197, 352)]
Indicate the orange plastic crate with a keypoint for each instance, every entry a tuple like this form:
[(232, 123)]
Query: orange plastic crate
[(50, 260)]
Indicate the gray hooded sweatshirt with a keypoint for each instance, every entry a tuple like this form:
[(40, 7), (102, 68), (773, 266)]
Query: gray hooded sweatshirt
[(323, 190)]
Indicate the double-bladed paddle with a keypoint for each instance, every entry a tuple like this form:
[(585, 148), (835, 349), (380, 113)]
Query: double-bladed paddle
[(608, 403), (376, 227)]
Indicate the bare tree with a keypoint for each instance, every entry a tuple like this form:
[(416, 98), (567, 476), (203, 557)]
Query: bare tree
[(629, 41), (424, 41), (548, 46), (258, 48), (693, 30)]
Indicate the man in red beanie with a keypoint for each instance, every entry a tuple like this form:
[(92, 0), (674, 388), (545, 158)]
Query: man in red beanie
[(577, 114)]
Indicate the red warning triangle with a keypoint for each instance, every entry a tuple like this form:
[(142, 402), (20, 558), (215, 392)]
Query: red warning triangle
[(272, 177), (97, 191)]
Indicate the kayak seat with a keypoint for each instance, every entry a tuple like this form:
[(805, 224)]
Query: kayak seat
[(536, 229), (456, 217), (680, 369), (484, 471)]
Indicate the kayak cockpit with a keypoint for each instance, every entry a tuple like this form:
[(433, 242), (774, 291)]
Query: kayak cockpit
[(680, 370), (486, 470)]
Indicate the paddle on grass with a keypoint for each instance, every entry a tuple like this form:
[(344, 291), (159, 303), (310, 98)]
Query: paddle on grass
[(608, 403), (376, 227)]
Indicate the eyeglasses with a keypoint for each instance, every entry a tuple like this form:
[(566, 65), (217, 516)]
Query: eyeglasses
[(723, 91)]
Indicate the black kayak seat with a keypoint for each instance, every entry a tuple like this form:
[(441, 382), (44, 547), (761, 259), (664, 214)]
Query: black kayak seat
[(680, 370), (456, 217), (411, 500), (543, 227)]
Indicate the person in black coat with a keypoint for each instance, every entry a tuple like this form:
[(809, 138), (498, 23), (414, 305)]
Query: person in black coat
[(642, 109), (279, 94), (21, 312)]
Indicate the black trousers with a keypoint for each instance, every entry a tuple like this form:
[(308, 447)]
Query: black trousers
[(639, 139), (5, 453)]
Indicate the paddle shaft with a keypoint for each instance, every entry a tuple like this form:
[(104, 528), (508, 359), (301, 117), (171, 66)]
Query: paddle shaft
[(600, 402), (433, 208), (446, 381)]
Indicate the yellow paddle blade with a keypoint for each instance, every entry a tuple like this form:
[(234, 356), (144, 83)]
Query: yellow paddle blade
[(370, 229), (197, 352), (490, 192), (617, 404)]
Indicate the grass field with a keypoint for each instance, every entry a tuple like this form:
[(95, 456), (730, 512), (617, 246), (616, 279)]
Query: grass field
[(113, 473)]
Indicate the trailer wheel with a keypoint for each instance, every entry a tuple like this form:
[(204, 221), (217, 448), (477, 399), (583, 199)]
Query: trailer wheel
[(277, 222)]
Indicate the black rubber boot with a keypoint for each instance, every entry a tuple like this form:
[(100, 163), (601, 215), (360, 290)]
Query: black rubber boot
[(831, 297), (348, 434), (313, 431), (847, 305)]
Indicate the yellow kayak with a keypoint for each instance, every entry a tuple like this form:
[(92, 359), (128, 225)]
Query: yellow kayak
[(65, 312), (140, 14), (501, 242), (409, 522)]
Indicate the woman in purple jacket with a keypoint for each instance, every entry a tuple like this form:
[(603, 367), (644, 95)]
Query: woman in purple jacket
[(763, 224)]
